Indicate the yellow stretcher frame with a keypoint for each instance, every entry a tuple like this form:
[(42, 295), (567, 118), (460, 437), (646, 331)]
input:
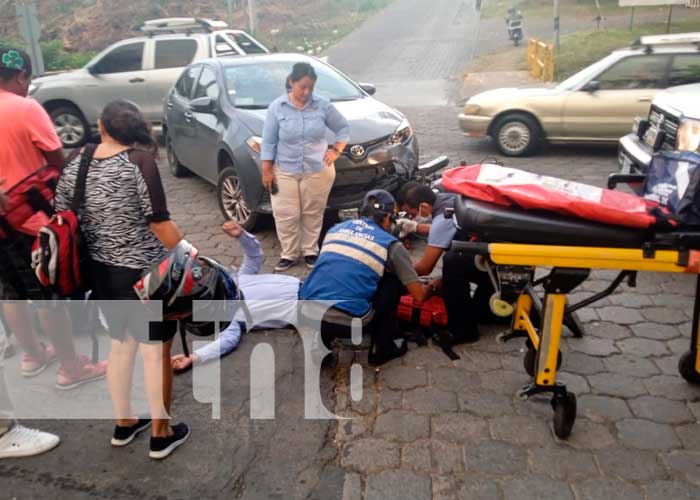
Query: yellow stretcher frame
[(547, 340)]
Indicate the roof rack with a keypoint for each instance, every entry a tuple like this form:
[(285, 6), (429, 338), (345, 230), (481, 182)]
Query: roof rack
[(181, 25), (650, 41)]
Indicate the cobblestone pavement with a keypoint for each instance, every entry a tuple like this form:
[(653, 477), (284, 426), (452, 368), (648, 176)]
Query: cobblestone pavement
[(425, 427), (428, 427)]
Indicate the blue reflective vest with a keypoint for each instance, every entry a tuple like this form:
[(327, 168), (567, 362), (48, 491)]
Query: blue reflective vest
[(352, 261)]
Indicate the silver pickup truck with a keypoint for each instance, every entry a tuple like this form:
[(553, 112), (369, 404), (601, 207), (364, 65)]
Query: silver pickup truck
[(141, 69)]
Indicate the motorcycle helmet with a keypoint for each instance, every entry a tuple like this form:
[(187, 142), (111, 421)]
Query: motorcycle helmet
[(166, 278), (220, 287)]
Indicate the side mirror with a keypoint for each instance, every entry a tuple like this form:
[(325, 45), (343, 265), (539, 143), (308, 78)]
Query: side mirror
[(369, 88), (592, 86), (203, 105)]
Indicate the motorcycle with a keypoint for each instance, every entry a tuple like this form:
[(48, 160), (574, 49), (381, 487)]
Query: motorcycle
[(515, 30)]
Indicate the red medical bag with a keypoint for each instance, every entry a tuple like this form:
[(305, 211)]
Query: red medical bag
[(430, 313)]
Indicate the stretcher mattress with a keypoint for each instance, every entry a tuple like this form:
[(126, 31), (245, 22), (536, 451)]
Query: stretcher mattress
[(498, 224)]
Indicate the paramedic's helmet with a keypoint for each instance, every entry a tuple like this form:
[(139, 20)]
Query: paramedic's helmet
[(378, 203)]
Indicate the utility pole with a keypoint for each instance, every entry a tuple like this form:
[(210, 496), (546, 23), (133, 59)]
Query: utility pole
[(556, 26), (632, 19), (231, 22), (30, 29), (251, 16), (670, 14)]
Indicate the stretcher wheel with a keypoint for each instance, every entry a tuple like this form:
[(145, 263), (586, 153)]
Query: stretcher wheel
[(481, 263), (686, 367), (500, 307), (564, 414), (530, 359)]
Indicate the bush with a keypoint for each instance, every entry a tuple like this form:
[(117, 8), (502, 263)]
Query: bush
[(56, 58)]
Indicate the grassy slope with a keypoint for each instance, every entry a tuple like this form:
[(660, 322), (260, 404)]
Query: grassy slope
[(582, 48)]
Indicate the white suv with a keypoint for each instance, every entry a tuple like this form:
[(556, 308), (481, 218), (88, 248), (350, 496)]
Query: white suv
[(140, 69)]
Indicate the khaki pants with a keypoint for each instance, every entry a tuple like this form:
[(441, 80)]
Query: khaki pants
[(298, 209)]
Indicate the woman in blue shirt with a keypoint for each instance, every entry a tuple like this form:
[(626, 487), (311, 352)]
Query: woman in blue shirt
[(297, 164)]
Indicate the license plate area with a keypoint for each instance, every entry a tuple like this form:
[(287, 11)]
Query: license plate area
[(654, 137)]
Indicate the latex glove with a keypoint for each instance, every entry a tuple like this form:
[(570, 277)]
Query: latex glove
[(406, 226)]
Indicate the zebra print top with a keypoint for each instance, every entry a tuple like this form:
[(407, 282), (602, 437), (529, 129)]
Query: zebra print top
[(123, 194)]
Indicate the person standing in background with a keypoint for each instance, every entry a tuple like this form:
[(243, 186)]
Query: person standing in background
[(298, 166)]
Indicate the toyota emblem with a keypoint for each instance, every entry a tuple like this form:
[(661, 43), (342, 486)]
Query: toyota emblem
[(357, 151)]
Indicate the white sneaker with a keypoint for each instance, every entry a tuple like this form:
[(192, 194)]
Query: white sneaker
[(21, 441)]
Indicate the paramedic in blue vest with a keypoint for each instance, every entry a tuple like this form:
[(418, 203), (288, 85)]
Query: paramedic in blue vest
[(426, 210), (364, 267)]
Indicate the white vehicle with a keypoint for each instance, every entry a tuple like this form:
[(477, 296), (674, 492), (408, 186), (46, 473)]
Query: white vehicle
[(141, 69)]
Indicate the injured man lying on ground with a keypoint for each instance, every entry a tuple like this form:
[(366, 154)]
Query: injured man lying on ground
[(270, 295)]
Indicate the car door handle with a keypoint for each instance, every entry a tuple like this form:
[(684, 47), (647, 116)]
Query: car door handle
[(170, 105), (188, 116), (644, 99), (137, 80)]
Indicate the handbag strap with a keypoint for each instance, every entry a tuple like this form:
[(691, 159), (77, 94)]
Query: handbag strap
[(81, 181)]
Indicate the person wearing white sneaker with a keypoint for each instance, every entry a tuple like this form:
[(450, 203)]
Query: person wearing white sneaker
[(17, 441)]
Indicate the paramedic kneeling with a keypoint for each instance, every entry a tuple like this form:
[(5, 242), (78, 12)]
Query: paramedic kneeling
[(361, 265), (427, 212)]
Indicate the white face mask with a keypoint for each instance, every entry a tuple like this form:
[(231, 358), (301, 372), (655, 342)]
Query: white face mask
[(423, 219)]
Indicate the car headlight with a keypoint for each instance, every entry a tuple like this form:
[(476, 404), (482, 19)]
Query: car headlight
[(472, 109), (32, 88), (688, 136), (402, 134), (255, 143)]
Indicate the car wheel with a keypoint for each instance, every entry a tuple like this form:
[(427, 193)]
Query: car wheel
[(70, 126), (232, 201), (176, 168), (517, 134)]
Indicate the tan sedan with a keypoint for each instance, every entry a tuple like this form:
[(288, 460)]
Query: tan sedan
[(596, 105)]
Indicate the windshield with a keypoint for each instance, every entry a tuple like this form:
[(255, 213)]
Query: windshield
[(255, 86), (578, 79)]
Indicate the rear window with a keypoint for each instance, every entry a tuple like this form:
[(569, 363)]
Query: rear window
[(685, 70), (223, 47), (174, 53), (247, 44)]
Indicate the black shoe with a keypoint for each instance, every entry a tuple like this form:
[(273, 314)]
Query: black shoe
[(125, 435), (310, 261), (162, 447), (284, 264), (381, 357)]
